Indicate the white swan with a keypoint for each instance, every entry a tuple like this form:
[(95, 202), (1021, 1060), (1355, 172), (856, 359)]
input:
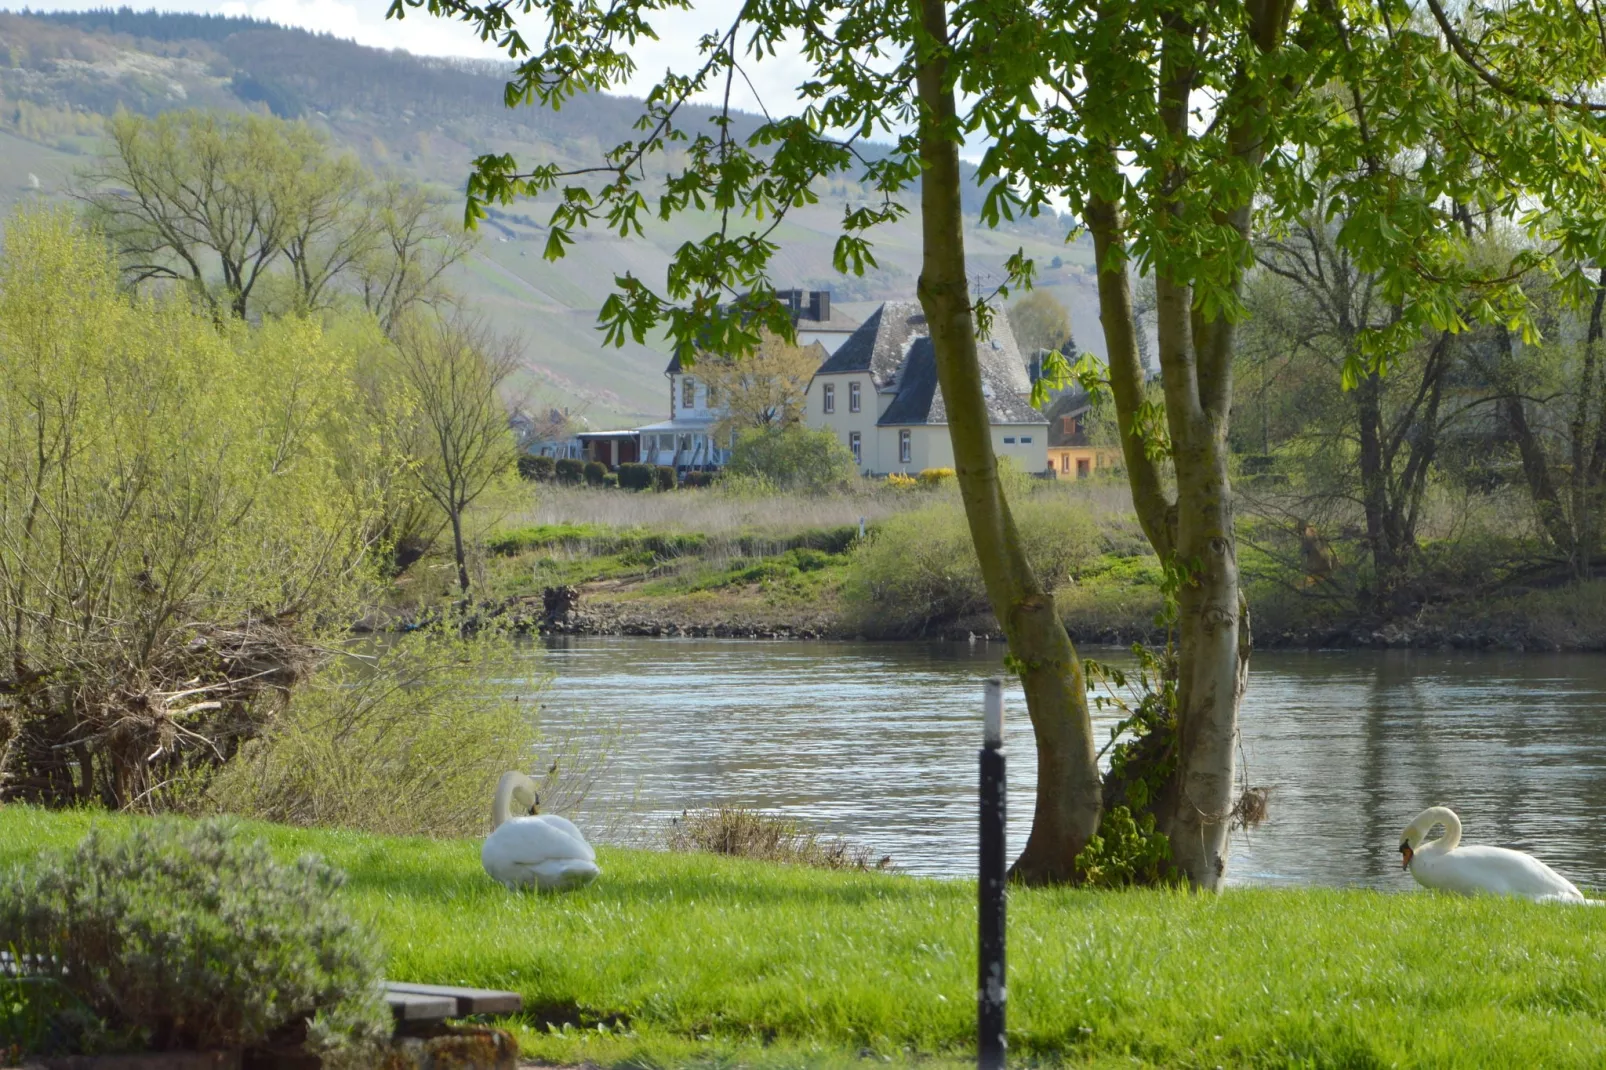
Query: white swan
[(543, 849), (1445, 865)]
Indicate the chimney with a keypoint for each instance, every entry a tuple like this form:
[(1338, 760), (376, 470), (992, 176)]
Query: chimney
[(820, 305)]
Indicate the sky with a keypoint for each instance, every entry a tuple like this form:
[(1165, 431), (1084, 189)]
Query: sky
[(364, 21)]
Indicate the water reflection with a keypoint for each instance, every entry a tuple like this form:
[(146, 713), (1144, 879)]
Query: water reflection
[(877, 742)]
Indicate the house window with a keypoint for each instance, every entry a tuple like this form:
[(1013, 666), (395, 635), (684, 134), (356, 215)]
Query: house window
[(688, 393), (1026, 440), (903, 447), (1070, 425), (1081, 468), (709, 394), (1065, 462), (1009, 440), (853, 397), (685, 443), (829, 397), (853, 444)]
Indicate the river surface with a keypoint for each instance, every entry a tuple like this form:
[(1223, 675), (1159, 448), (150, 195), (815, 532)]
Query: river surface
[(877, 743)]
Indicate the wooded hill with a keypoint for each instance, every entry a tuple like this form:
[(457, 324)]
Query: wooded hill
[(425, 119)]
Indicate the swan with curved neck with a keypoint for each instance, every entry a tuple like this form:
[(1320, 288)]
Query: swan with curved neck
[(1445, 865), (534, 849)]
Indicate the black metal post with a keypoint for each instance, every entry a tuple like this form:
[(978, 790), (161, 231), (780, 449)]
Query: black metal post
[(991, 989)]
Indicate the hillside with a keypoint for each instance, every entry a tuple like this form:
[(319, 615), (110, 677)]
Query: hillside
[(426, 119)]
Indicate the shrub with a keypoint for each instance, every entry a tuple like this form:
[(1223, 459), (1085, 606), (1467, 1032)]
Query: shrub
[(406, 742), (570, 471), (900, 481), (636, 476), (536, 469), (919, 568), (697, 480), (190, 937), (936, 477), (664, 475), (611, 480), (793, 458), (596, 473), (730, 830)]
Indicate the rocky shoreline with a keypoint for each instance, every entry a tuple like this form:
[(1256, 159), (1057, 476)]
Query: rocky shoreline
[(569, 614)]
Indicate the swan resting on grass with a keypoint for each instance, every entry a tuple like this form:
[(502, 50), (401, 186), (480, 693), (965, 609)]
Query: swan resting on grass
[(1444, 865), (543, 850)]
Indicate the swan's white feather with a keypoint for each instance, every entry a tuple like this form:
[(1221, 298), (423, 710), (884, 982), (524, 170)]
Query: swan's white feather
[(1444, 865), (545, 850), (1492, 871)]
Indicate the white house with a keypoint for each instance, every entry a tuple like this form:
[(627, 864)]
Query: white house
[(879, 393), (684, 441)]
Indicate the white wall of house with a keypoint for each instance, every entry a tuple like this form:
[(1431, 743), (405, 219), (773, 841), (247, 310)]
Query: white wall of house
[(930, 447), (842, 421), (698, 409)]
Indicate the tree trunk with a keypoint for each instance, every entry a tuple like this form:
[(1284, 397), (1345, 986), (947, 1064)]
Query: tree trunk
[(457, 549), (1068, 789), (1212, 665), (1374, 493), (1589, 443)]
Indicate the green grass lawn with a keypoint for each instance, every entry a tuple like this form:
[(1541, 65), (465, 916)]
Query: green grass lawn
[(673, 960)]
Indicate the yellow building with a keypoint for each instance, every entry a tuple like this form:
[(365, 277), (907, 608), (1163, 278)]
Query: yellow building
[(878, 392), (1069, 453)]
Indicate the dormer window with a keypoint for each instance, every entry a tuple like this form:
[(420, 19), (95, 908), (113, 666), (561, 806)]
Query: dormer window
[(688, 393)]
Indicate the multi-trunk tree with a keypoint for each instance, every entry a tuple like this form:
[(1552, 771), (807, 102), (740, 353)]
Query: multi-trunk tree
[(1166, 125), (254, 214)]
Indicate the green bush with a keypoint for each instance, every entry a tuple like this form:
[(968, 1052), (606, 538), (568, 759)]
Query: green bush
[(570, 471), (664, 476), (536, 469), (191, 937), (792, 458), (919, 568), (635, 476), (411, 721), (596, 473), (698, 480)]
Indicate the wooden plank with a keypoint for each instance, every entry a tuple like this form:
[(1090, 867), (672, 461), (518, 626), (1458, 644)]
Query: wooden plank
[(469, 1000), (407, 1007)]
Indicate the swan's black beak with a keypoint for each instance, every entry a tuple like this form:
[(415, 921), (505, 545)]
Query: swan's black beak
[(535, 807), (1406, 853)]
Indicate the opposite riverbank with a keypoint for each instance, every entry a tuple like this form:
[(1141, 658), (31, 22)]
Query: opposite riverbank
[(678, 960), (897, 565)]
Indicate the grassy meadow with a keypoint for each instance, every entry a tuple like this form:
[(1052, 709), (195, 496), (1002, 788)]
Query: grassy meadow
[(694, 960)]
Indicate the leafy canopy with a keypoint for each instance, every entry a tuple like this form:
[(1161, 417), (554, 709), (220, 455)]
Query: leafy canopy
[(1178, 114)]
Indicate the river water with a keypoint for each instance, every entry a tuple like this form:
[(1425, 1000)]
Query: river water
[(877, 742)]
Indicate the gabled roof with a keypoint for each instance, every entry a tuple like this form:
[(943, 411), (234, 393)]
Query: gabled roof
[(1071, 403), (919, 398), (880, 343)]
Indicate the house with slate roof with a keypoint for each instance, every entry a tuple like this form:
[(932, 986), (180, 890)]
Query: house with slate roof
[(685, 441), (878, 392)]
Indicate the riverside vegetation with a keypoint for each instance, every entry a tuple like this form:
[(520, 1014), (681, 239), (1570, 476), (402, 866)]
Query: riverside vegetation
[(692, 959), (742, 559)]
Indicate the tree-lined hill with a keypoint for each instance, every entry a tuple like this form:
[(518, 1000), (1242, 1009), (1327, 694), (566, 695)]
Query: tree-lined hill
[(425, 119)]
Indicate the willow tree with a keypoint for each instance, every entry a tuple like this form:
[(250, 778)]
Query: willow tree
[(1165, 124)]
